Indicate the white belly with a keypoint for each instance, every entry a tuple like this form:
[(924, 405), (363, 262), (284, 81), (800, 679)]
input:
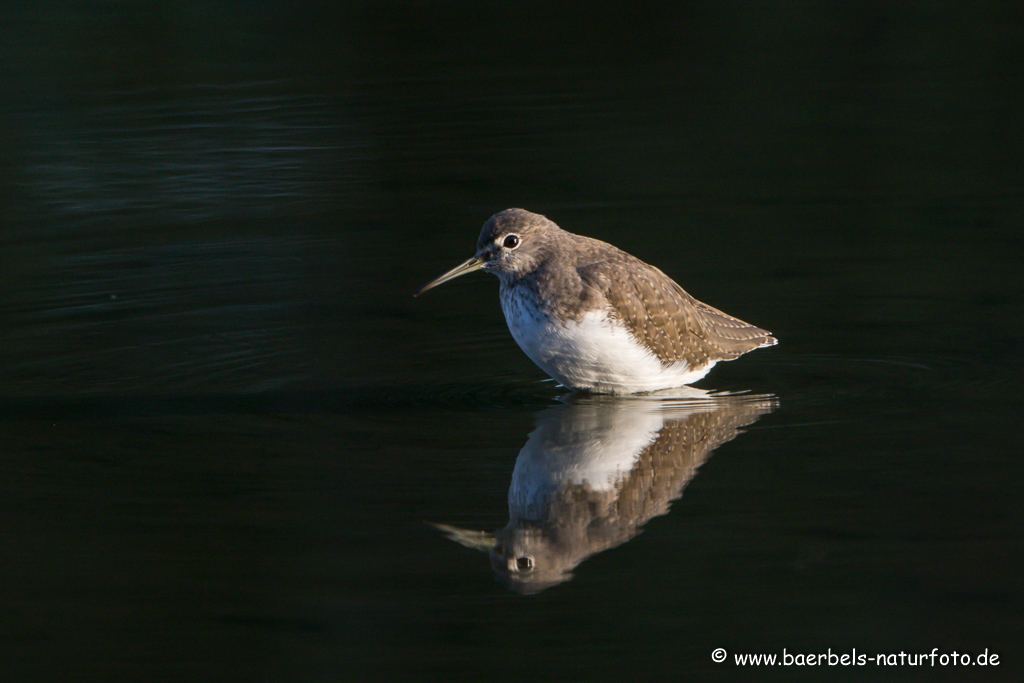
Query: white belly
[(592, 354), (593, 447)]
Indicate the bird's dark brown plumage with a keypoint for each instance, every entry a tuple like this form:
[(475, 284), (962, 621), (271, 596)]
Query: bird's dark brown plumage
[(596, 318), (657, 311)]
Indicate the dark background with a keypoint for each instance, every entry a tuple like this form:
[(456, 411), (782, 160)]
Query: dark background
[(224, 420)]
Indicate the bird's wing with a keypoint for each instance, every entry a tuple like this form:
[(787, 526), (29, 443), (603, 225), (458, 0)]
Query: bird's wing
[(663, 317), (686, 441)]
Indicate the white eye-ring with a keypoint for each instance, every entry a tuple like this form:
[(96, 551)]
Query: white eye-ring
[(511, 242)]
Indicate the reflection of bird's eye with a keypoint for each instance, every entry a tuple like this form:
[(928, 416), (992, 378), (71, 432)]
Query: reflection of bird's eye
[(511, 242), (524, 564)]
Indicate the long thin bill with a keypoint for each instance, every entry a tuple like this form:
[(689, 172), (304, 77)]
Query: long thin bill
[(475, 263)]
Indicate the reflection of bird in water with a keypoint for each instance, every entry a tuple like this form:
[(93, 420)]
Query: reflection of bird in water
[(595, 470)]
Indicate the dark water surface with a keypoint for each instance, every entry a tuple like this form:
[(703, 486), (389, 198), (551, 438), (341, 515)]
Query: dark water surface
[(234, 447)]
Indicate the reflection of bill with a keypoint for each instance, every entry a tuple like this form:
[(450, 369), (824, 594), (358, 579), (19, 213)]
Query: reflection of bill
[(596, 469)]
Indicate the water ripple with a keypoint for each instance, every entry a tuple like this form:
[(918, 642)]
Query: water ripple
[(202, 154)]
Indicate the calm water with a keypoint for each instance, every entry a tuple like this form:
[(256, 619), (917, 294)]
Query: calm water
[(234, 447)]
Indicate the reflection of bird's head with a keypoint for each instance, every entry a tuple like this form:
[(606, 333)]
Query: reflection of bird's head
[(529, 559), (526, 559), (593, 473)]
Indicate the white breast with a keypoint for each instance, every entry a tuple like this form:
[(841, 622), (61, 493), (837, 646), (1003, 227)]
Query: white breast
[(595, 454), (594, 353)]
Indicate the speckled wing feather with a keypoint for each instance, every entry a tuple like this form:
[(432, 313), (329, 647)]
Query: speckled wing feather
[(663, 317), (669, 462), (591, 521)]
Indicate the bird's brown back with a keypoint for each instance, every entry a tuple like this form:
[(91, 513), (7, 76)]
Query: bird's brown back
[(661, 315)]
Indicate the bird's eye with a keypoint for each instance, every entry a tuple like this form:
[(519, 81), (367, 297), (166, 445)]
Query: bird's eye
[(510, 241), (524, 564)]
